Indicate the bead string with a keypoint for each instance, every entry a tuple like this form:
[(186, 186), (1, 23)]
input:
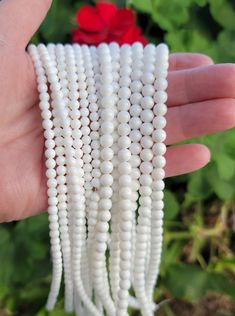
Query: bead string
[(103, 114)]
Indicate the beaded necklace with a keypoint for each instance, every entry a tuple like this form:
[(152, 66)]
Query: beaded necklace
[(103, 114)]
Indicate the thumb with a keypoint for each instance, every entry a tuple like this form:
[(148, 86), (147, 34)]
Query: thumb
[(20, 19)]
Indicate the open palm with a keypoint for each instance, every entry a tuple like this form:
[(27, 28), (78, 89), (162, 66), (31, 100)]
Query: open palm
[(200, 102)]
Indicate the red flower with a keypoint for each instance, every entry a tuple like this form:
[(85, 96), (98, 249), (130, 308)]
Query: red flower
[(106, 23)]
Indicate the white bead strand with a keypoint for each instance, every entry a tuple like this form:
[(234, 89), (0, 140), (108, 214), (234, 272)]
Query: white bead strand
[(51, 176), (160, 109), (114, 243), (145, 190), (135, 148), (58, 57), (96, 173), (79, 229), (124, 169), (106, 180)]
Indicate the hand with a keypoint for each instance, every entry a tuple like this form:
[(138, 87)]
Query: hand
[(200, 102)]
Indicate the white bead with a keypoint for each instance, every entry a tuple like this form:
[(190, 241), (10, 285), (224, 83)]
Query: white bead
[(159, 122), (106, 140), (159, 162), (158, 174), (135, 122), (135, 136), (146, 129), (160, 84), (159, 149), (136, 98), (106, 167), (148, 90), (146, 155), (124, 129), (146, 167), (123, 117), (135, 148), (136, 86), (146, 116), (135, 110), (124, 93), (159, 135), (107, 127), (146, 141), (124, 142), (160, 97), (124, 154), (147, 102), (147, 78)]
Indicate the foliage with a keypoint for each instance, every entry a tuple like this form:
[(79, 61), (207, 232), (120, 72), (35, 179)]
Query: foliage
[(198, 249)]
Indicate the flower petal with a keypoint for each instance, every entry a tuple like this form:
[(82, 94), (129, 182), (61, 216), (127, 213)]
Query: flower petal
[(89, 38), (122, 21), (131, 36), (89, 19), (107, 11)]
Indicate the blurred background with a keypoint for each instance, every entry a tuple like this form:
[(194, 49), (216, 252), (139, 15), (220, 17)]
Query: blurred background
[(198, 264)]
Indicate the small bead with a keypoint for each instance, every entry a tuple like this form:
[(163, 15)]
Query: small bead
[(159, 122), (159, 162), (136, 86), (135, 110), (124, 142), (159, 149), (146, 167), (159, 135), (160, 97), (123, 117), (160, 84), (147, 116), (146, 129), (146, 155), (148, 90), (147, 102), (124, 93)]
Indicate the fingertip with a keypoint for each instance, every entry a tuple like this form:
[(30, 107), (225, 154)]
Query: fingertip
[(182, 159), (180, 61), (202, 154)]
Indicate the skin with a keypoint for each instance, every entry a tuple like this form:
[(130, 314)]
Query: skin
[(201, 101)]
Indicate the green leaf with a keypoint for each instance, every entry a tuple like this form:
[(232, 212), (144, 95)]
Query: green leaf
[(171, 205), (144, 6), (164, 13), (191, 283), (198, 187), (226, 45), (223, 12), (58, 23), (223, 188), (225, 165)]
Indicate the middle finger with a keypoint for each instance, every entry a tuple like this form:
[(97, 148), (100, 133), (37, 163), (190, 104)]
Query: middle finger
[(200, 84)]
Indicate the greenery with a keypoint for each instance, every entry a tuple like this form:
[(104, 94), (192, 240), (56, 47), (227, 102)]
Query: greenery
[(198, 257)]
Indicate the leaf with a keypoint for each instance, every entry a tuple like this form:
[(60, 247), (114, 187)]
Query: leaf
[(144, 6), (58, 23), (226, 46), (6, 258), (191, 283), (164, 13), (171, 205), (198, 187), (223, 12), (225, 165), (223, 188)]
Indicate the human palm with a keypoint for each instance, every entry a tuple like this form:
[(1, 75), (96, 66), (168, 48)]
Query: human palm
[(200, 102)]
